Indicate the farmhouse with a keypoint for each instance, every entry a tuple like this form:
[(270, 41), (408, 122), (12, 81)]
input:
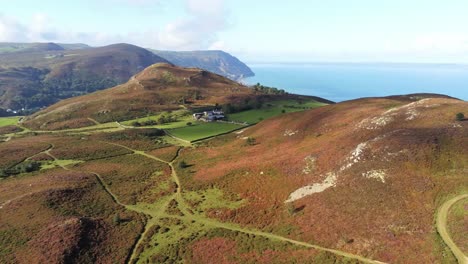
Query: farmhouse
[(209, 116)]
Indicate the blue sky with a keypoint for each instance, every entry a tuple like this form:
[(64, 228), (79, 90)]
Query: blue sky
[(260, 30)]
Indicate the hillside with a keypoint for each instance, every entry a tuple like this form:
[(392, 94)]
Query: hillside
[(7, 47), (160, 87), (364, 176), (35, 75), (42, 74), (215, 61), (355, 182)]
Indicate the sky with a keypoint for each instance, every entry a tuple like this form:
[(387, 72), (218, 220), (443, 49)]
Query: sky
[(422, 31)]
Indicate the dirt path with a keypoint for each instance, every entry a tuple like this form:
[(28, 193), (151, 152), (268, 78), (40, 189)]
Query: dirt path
[(442, 216), (160, 212), (211, 222), (94, 121)]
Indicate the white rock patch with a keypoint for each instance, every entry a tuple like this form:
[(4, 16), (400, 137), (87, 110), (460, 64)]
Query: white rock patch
[(375, 123), (409, 110), (355, 156), (330, 181), (310, 164), (375, 174), (289, 133)]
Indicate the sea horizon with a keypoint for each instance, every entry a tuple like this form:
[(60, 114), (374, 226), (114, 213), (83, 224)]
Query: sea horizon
[(342, 81)]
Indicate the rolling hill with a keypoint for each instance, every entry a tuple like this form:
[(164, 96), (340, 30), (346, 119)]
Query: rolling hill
[(34, 78), (365, 176), (160, 87), (35, 75), (354, 182), (7, 47)]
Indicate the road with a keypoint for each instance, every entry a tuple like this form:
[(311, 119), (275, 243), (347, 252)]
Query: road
[(442, 216)]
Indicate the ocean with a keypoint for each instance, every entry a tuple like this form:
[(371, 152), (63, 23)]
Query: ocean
[(340, 82)]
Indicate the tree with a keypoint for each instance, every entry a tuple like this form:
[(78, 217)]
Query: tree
[(460, 116)]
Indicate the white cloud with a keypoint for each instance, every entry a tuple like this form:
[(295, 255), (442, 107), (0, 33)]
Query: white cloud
[(197, 30), (11, 30)]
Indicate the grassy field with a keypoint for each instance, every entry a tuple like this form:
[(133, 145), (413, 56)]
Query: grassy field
[(8, 121), (201, 130), (182, 116), (273, 109), (59, 163)]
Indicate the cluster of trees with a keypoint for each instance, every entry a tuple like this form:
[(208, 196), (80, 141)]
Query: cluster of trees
[(144, 123), (24, 167), (247, 104), (134, 134), (38, 89), (267, 90), (160, 121)]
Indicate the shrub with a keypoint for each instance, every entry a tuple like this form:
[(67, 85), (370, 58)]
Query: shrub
[(251, 141), (25, 167), (116, 219), (150, 123), (183, 164), (460, 116)]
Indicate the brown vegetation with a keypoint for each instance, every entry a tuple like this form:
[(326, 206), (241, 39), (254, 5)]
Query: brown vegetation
[(419, 149)]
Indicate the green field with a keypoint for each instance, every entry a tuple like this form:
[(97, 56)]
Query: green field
[(273, 109), (8, 121), (182, 116), (200, 130)]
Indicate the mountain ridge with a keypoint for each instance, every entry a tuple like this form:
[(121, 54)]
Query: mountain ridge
[(216, 61), (35, 75)]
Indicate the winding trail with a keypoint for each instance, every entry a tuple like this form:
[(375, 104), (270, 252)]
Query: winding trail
[(442, 216), (159, 212), (94, 121), (211, 222)]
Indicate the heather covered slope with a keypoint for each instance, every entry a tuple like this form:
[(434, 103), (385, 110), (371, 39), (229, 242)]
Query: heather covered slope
[(364, 176), (358, 181), (158, 88)]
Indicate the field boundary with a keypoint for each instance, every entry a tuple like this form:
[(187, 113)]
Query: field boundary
[(222, 134)]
